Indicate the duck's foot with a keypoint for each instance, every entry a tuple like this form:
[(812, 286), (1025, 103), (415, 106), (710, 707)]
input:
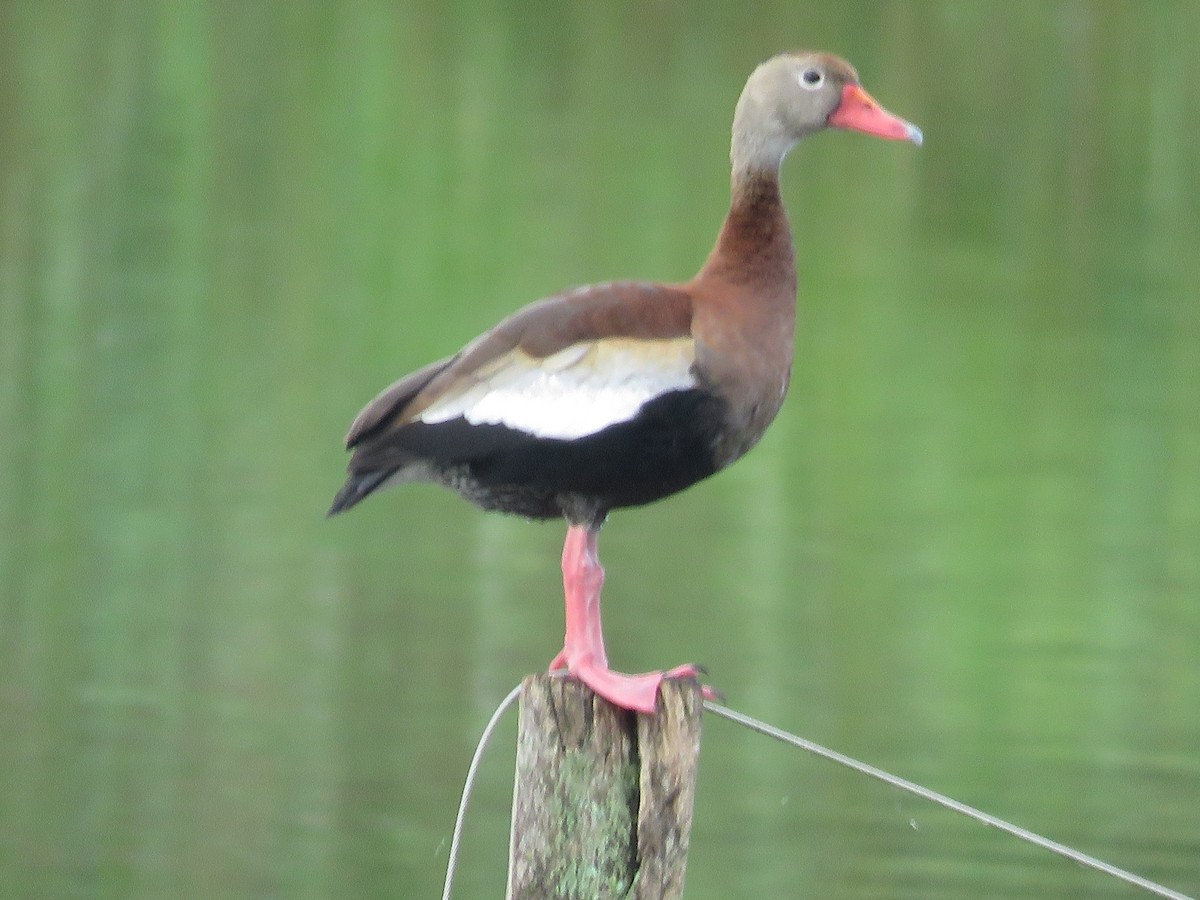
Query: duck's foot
[(638, 693), (583, 653)]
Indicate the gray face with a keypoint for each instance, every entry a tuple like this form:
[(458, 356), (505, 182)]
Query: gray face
[(785, 99), (805, 89)]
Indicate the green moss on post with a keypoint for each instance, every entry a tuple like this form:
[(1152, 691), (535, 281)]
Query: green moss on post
[(602, 806)]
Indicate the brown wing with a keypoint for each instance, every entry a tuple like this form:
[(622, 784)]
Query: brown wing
[(632, 310)]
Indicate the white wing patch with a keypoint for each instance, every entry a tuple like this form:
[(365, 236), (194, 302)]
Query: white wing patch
[(576, 392)]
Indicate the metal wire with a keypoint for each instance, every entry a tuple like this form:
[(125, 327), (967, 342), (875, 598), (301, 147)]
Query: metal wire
[(469, 786), (841, 759), (942, 800)]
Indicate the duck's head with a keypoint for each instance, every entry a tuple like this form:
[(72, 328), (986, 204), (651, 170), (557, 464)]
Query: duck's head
[(793, 95)]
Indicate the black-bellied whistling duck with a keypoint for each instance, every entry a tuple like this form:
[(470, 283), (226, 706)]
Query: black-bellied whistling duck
[(619, 394)]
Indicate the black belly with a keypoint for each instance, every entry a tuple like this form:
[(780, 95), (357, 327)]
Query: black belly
[(667, 447)]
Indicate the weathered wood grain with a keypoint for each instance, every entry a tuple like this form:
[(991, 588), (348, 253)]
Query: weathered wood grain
[(602, 805)]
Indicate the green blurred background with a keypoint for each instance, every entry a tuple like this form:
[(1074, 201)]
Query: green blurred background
[(968, 551)]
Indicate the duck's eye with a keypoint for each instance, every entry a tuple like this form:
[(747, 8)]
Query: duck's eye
[(811, 78)]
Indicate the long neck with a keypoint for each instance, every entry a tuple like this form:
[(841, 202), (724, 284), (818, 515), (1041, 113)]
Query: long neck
[(755, 243)]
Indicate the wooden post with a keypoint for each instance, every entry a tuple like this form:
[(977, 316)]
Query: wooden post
[(602, 806)]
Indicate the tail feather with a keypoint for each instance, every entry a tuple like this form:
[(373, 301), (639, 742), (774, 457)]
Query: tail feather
[(357, 487)]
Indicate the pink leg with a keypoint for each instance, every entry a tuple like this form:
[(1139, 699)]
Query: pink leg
[(583, 653)]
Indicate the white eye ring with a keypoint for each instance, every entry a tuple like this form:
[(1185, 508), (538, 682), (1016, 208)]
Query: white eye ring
[(811, 79)]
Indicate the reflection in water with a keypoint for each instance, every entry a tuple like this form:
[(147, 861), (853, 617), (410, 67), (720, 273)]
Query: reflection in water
[(966, 551)]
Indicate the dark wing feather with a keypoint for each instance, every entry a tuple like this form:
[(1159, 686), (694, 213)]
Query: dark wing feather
[(375, 418), (390, 403), (386, 440)]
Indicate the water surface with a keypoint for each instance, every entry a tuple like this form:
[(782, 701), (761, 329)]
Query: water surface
[(966, 551)]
